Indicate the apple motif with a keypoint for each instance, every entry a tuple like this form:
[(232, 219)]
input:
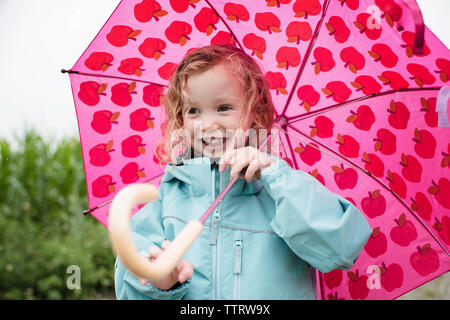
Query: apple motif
[(425, 146), (152, 48), (404, 233), (373, 164), (412, 169), (276, 81), (131, 66), (121, 93), (443, 228), (353, 60), (267, 21), (376, 244), (357, 285), (141, 120), (148, 9), (425, 261), (315, 173), (394, 79), (255, 43), (348, 146), (363, 119), (392, 12), (391, 277), (374, 205), (181, 6), (119, 35), (445, 163), (103, 186), (99, 61), (305, 8), (345, 178), (102, 121), (441, 192), (367, 84), (364, 22), (309, 154), (399, 115), (308, 96), (90, 92), (99, 155), (206, 20), (152, 94), (337, 90), (323, 60), (385, 142), (408, 38), (323, 127), (297, 31), (337, 28), (422, 206), (177, 32), (236, 12), (420, 74), (287, 57), (273, 3), (131, 173), (166, 70), (333, 278), (383, 53), (132, 146), (351, 4), (429, 107), (444, 69), (397, 184), (223, 37)]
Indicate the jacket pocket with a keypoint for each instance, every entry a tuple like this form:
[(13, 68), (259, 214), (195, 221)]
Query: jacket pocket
[(237, 267)]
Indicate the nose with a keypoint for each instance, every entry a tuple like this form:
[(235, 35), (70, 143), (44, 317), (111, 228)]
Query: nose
[(209, 122)]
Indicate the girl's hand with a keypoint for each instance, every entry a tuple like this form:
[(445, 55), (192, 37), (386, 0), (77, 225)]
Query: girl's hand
[(181, 273), (246, 157)]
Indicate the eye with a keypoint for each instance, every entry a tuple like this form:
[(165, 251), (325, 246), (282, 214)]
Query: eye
[(224, 107), (192, 111)]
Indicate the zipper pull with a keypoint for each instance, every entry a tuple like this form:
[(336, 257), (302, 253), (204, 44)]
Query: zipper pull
[(215, 222), (237, 256)]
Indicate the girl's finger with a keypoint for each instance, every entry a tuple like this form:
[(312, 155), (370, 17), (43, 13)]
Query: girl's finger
[(251, 170), (165, 244), (186, 270), (154, 251), (226, 159)]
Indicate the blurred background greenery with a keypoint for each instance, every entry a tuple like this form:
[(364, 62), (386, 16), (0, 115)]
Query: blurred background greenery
[(43, 230)]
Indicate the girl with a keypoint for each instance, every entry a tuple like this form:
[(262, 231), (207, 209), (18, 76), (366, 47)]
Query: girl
[(271, 230)]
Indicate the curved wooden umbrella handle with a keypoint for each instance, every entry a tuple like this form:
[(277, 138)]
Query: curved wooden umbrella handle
[(120, 234)]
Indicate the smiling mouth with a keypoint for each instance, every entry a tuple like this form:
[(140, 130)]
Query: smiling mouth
[(214, 143)]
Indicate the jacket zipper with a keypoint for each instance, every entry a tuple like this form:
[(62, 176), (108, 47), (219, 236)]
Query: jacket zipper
[(214, 241), (237, 267)]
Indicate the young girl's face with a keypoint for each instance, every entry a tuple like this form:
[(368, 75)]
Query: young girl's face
[(214, 103)]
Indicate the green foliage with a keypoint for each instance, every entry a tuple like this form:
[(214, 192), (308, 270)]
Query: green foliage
[(42, 228)]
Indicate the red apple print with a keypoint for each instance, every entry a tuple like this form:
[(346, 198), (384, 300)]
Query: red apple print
[(385, 142), (345, 178), (178, 32), (148, 9), (276, 81), (121, 93), (441, 192), (391, 277), (348, 146), (421, 75), (399, 115), (323, 60), (132, 146), (445, 163), (394, 79), (364, 22), (152, 94), (267, 21), (392, 12), (357, 285), (315, 173), (181, 6), (273, 3), (397, 184), (443, 227), (236, 12), (256, 44), (425, 146), (141, 120), (308, 96), (99, 155), (353, 60), (223, 37), (422, 206), (333, 278), (351, 4), (103, 186), (373, 164), (337, 90), (119, 35), (367, 84), (404, 233), (412, 169), (425, 261), (383, 53), (337, 28), (310, 154), (444, 69), (297, 31), (408, 38), (287, 57), (376, 244), (102, 121), (152, 48), (90, 92), (363, 119), (167, 70), (323, 127), (99, 61), (131, 173), (131, 66), (305, 8), (374, 205), (206, 20), (429, 107)]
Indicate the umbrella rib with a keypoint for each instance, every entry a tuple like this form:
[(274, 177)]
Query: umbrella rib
[(357, 167)]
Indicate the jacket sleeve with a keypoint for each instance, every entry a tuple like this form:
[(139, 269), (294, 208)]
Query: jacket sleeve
[(147, 229), (321, 227)]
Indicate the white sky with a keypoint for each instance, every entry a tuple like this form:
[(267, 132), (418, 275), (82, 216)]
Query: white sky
[(40, 37)]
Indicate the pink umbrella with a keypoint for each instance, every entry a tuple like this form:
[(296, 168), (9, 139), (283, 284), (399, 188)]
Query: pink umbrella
[(359, 87)]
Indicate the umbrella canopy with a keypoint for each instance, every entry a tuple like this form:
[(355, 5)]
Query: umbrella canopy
[(359, 88)]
